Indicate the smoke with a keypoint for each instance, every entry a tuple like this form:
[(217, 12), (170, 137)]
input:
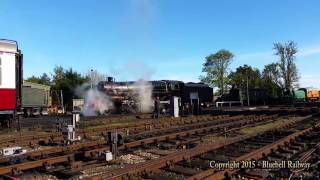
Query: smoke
[(142, 87), (142, 12), (139, 70), (96, 103), (143, 92)]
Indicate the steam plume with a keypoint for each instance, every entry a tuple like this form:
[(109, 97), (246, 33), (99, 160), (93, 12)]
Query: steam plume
[(143, 93), (96, 103)]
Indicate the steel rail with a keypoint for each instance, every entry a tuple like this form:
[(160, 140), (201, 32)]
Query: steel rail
[(154, 165), (69, 157)]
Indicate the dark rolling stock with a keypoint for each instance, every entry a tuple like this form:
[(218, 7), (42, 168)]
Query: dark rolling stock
[(197, 90), (191, 94), (257, 96)]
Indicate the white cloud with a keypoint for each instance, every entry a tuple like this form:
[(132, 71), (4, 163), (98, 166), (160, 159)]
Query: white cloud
[(257, 55), (309, 51), (181, 77), (142, 12), (259, 59), (310, 80)]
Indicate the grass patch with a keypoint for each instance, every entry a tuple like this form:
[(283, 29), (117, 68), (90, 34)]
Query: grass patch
[(264, 127), (114, 122), (213, 139)]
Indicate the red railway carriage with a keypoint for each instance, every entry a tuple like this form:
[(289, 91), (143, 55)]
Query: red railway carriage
[(10, 80)]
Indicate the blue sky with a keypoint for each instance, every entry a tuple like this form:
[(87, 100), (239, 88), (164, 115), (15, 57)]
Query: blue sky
[(160, 39)]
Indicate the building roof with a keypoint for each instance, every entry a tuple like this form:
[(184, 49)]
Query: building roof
[(36, 85)]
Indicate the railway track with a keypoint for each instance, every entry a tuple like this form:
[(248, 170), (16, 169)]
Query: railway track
[(303, 149), (48, 123), (193, 163), (76, 152), (133, 128), (140, 123)]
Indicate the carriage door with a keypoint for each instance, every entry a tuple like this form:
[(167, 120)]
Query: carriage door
[(194, 98)]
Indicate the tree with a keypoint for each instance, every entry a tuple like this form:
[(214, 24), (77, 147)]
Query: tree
[(58, 74), (216, 69), (271, 79), (243, 74), (288, 69), (43, 79), (95, 77), (67, 81), (33, 79), (271, 72)]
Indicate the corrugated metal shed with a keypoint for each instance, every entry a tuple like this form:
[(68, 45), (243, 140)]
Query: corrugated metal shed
[(35, 95)]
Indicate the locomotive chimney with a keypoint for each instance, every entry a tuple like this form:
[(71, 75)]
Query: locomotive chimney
[(110, 79)]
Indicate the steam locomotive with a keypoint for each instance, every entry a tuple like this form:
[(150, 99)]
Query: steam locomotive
[(125, 94)]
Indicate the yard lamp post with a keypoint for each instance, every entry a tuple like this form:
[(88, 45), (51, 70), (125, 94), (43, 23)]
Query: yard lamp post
[(91, 76), (248, 96)]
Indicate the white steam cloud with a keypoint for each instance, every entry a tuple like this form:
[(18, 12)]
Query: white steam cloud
[(143, 88), (96, 103), (143, 93)]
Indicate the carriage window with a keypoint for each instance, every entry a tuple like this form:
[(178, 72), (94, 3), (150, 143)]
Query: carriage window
[(0, 72)]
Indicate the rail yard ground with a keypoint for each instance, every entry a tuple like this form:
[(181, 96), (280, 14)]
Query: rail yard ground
[(159, 90), (190, 147)]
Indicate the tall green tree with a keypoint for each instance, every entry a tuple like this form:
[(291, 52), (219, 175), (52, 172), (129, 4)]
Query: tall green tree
[(271, 72), (245, 74), (33, 79), (271, 77), (216, 68), (67, 81), (288, 70), (58, 75)]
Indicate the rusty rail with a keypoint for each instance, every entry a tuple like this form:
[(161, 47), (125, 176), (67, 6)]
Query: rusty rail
[(256, 155), (142, 126), (155, 165), (96, 144), (89, 153), (180, 134)]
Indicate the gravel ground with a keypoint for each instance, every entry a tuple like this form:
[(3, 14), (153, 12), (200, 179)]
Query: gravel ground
[(37, 176), (131, 159), (146, 155), (212, 139), (98, 170)]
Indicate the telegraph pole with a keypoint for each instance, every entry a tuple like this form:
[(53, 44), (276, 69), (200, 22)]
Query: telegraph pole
[(248, 96), (61, 96), (91, 78)]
